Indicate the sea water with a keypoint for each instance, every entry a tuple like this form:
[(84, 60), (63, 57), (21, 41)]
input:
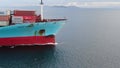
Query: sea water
[(89, 39)]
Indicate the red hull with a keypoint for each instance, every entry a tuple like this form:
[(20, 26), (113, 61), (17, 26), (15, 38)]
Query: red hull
[(33, 40)]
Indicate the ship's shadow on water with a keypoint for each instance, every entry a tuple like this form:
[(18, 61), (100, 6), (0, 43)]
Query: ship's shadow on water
[(30, 57)]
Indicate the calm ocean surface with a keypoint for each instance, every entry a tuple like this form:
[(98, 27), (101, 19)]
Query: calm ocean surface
[(89, 39)]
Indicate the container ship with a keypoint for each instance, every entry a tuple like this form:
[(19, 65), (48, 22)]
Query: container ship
[(26, 28)]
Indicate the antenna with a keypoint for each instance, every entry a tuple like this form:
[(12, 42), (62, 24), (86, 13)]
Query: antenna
[(41, 4)]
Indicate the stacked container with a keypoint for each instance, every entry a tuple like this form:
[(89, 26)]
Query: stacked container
[(4, 18), (24, 16), (30, 19), (17, 19)]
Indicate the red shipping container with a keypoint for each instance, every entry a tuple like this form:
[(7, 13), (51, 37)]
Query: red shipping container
[(29, 19), (23, 13), (4, 18)]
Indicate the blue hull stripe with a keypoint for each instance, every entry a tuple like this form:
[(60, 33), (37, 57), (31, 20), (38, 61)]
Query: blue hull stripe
[(31, 29)]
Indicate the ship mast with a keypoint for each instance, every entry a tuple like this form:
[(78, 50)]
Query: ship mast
[(41, 9)]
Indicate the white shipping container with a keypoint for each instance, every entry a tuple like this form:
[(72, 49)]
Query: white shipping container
[(5, 12), (17, 19), (4, 23)]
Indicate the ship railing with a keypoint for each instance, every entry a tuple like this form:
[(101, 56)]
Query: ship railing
[(52, 20)]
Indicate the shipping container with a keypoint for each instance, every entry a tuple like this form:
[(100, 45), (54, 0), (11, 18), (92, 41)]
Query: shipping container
[(5, 12), (4, 23), (4, 18), (29, 19), (23, 13), (17, 19)]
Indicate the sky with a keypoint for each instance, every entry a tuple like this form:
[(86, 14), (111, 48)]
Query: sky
[(53, 2)]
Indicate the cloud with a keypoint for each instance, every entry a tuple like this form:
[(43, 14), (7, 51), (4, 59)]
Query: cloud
[(94, 4)]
